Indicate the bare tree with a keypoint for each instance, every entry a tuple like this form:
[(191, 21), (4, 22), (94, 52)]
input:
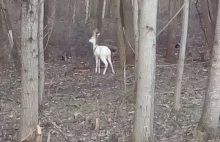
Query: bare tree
[(209, 121), (181, 56), (41, 51), (74, 11), (144, 113), (103, 9), (9, 31), (87, 11), (209, 16), (121, 39), (136, 37), (29, 128), (128, 27), (99, 15), (174, 5)]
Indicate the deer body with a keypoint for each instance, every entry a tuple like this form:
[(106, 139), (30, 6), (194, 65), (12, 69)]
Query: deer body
[(102, 53)]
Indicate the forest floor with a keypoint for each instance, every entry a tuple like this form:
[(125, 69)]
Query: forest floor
[(77, 100)]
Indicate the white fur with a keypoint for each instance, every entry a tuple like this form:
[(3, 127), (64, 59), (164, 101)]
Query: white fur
[(102, 53)]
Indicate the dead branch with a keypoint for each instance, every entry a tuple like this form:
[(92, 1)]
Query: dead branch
[(49, 136), (126, 38), (66, 136), (174, 16)]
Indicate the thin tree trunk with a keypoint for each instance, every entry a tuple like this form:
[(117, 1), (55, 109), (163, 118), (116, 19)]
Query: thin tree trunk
[(99, 15), (74, 12), (41, 51), (136, 37), (120, 37), (144, 113), (87, 11), (103, 9), (12, 41), (180, 67), (174, 5), (29, 79), (211, 109), (46, 28), (121, 40), (209, 12), (127, 23), (109, 8)]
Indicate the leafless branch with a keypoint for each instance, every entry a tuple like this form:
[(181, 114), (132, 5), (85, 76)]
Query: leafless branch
[(170, 20), (66, 136)]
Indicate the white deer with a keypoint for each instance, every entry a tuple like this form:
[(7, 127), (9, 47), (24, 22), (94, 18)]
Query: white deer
[(101, 53)]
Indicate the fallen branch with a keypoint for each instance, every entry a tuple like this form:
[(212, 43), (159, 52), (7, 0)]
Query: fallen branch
[(57, 127)]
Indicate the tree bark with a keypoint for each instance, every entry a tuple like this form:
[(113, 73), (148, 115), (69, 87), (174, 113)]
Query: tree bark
[(174, 6), (99, 15), (74, 12), (136, 37), (103, 9), (2, 41), (209, 14), (126, 7), (41, 51), (181, 56), (211, 109), (29, 79), (144, 113), (12, 41), (120, 37), (87, 11)]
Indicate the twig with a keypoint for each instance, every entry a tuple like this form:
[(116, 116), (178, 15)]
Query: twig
[(57, 127), (28, 135), (49, 136), (126, 38), (170, 21), (170, 65)]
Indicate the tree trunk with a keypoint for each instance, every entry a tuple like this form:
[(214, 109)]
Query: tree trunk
[(120, 37), (29, 79), (103, 9), (181, 56), (2, 41), (12, 41), (99, 15), (74, 12), (87, 11), (41, 51), (208, 123), (144, 113), (174, 6), (136, 37), (209, 13), (126, 7)]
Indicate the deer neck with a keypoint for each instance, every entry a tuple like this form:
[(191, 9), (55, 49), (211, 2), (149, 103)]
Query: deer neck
[(94, 46)]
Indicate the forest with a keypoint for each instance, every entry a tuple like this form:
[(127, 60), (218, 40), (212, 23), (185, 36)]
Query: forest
[(109, 70)]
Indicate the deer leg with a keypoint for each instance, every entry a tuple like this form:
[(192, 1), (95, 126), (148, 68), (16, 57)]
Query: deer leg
[(110, 62), (106, 65), (96, 64)]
